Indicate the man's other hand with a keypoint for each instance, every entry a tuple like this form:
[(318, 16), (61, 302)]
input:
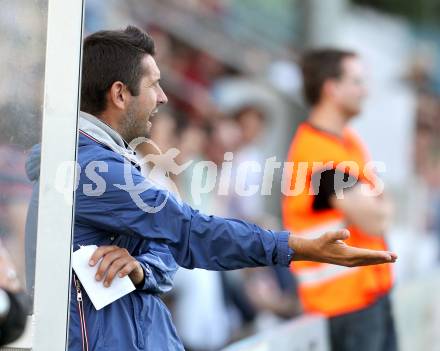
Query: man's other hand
[(116, 260), (331, 248)]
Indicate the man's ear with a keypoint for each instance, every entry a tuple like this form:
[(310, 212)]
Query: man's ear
[(329, 88), (118, 95)]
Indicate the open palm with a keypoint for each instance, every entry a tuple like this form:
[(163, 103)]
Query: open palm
[(331, 248)]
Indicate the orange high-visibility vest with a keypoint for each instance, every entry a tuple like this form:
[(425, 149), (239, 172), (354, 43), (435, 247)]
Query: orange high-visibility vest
[(324, 288)]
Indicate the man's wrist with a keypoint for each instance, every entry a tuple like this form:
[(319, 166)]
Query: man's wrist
[(146, 272), (300, 246), (138, 276)]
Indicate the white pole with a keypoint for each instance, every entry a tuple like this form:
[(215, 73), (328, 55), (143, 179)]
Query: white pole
[(59, 139)]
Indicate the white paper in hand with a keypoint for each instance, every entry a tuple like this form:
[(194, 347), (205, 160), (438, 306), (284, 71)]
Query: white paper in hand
[(98, 293)]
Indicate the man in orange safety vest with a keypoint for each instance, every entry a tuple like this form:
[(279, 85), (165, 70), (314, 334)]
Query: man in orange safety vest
[(334, 186)]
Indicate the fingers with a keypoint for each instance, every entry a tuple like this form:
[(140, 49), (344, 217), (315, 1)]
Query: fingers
[(331, 248), (101, 252), (129, 268), (114, 260), (342, 234), (364, 257), (108, 260), (122, 267), (353, 256), (383, 256)]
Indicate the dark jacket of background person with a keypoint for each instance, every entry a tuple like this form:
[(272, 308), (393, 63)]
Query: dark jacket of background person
[(13, 308)]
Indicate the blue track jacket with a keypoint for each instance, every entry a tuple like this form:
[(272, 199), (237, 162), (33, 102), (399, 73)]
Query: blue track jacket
[(107, 214)]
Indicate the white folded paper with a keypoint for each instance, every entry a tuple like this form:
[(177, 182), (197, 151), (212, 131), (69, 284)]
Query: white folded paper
[(98, 293)]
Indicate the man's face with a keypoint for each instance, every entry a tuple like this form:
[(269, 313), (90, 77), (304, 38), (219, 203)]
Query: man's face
[(136, 121), (350, 90)]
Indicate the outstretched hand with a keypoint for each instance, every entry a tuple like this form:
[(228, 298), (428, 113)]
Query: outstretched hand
[(331, 248)]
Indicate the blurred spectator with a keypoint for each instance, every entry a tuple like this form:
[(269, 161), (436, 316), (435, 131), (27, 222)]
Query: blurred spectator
[(273, 293), (267, 295), (15, 193), (198, 294), (163, 135), (357, 301), (21, 91), (218, 303), (201, 133), (200, 311), (15, 189), (13, 302), (251, 123), (427, 144)]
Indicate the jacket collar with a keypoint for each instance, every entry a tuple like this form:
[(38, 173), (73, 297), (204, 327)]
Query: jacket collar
[(104, 134)]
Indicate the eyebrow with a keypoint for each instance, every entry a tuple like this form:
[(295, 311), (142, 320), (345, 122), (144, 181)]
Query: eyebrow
[(155, 81)]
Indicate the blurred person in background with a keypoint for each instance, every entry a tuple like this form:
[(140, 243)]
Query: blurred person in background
[(15, 192), (264, 296), (199, 295), (251, 122), (16, 128), (427, 143), (225, 306), (13, 301), (356, 301), (163, 138)]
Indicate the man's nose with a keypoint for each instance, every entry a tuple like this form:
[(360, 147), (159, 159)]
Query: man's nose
[(162, 98)]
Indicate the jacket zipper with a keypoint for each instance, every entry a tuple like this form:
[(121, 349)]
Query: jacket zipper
[(79, 299)]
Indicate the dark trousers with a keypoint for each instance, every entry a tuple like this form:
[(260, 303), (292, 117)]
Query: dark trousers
[(370, 329)]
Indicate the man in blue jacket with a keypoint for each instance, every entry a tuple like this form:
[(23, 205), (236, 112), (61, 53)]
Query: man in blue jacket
[(141, 231)]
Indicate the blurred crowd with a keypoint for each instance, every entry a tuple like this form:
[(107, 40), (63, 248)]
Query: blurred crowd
[(21, 98), (422, 75), (224, 305)]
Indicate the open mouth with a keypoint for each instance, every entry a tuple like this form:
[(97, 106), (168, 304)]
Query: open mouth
[(154, 113)]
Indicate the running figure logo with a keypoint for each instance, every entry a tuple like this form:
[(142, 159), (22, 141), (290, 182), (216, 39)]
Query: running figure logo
[(158, 175)]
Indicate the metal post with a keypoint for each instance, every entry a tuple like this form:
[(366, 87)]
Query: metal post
[(59, 139)]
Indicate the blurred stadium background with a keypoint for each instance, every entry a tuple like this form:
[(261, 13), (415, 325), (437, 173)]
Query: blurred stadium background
[(229, 68)]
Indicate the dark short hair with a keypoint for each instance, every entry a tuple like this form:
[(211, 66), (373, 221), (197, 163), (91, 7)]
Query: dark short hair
[(110, 56), (317, 67)]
